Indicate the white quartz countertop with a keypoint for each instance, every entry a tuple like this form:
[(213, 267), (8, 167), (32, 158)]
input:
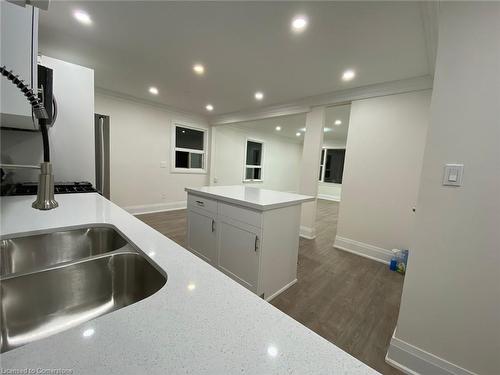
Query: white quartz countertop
[(252, 197), (213, 327)]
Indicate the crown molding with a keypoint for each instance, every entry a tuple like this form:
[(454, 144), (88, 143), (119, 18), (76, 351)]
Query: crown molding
[(161, 106), (267, 112), (245, 130), (293, 108), (333, 98)]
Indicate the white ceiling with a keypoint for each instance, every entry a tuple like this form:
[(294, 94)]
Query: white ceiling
[(245, 47), (291, 125)]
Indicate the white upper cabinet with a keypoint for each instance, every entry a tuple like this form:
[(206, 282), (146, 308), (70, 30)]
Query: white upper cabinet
[(19, 50)]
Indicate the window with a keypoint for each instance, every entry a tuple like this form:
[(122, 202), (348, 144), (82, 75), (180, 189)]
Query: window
[(332, 165), (321, 164), (189, 152), (253, 160)]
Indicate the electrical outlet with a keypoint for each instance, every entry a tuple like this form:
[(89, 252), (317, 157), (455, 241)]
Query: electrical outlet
[(163, 196), (163, 164)]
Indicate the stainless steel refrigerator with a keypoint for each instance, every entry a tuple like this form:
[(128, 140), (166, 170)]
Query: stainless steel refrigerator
[(101, 127)]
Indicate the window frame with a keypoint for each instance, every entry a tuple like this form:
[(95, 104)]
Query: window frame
[(174, 149), (261, 166), (323, 163)]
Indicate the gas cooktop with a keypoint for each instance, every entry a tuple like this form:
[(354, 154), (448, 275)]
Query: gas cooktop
[(30, 188)]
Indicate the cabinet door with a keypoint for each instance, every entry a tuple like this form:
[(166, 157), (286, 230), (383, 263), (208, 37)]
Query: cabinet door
[(202, 235), (238, 256), (19, 50)]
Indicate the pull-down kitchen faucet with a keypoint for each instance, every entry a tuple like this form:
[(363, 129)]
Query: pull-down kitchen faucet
[(45, 193)]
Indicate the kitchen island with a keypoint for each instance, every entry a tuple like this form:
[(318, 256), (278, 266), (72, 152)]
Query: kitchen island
[(199, 322), (250, 234)]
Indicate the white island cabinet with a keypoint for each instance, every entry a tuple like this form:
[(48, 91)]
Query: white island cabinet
[(250, 234)]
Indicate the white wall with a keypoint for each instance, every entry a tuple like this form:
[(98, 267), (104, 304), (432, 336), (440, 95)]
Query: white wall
[(140, 139), (329, 191), (385, 147), (450, 309), (71, 138), (281, 159), (309, 169)]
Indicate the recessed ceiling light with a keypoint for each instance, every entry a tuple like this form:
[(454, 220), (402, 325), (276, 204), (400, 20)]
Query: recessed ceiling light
[(259, 95), (302, 129), (209, 107), (191, 286), (327, 130), (348, 75), (153, 90), (88, 332), (298, 134), (278, 128), (338, 122), (272, 351), (199, 69), (299, 23), (82, 17)]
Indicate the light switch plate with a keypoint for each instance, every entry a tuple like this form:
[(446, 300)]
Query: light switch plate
[(453, 174)]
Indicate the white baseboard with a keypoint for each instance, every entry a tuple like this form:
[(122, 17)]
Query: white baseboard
[(363, 249), (326, 197), (415, 361), (306, 232), (275, 294), (157, 207)]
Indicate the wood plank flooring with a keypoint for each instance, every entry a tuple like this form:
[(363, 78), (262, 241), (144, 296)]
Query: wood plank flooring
[(172, 224), (349, 300)]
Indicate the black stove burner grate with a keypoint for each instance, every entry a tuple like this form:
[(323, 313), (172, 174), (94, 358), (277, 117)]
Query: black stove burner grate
[(59, 188)]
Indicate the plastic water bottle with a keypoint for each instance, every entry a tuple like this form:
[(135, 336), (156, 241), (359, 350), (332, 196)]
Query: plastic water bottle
[(399, 261), (394, 260)]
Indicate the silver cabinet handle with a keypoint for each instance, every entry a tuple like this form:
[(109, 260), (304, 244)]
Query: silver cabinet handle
[(101, 141), (213, 225), (256, 242), (200, 203)]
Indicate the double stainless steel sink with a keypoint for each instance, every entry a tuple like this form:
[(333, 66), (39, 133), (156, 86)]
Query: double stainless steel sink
[(55, 281)]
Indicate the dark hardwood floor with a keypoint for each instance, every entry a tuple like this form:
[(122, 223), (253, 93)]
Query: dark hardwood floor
[(347, 299)]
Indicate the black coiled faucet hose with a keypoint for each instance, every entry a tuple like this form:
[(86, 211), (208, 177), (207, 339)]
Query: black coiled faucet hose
[(38, 109)]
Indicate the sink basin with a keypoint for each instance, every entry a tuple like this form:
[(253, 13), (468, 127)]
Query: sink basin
[(25, 254), (51, 299)]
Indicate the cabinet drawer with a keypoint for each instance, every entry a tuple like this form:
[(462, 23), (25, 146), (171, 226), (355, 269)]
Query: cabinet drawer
[(202, 203), (242, 214)]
